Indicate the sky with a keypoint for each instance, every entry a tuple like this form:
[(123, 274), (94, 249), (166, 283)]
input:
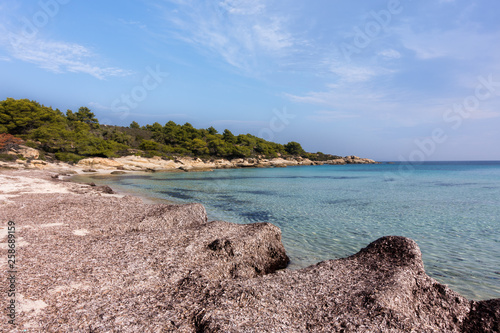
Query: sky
[(395, 80)]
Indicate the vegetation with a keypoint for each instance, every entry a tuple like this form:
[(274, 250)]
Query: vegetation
[(75, 135)]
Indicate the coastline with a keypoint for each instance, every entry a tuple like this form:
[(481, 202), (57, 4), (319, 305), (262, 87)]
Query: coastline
[(87, 251)]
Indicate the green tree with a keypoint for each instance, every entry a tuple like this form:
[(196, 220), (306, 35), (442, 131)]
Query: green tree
[(85, 116), (20, 117), (228, 136), (134, 124), (211, 130), (294, 148)]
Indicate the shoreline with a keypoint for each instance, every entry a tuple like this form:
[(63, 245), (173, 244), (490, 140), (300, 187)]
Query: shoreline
[(83, 248), (30, 158)]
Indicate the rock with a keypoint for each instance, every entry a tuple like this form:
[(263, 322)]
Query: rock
[(382, 288), (148, 268), (99, 163), (483, 317), (28, 153), (118, 173), (105, 189)]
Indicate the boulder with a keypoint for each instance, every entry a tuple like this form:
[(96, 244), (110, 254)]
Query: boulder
[(99, 163), (28, 153), (160, 268), (382, 288)]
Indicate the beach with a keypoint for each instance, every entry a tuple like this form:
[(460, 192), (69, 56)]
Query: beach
[(90, 260)]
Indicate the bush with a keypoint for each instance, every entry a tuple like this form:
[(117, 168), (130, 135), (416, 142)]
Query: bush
[(8, 157), (68, 157), (8, 141)]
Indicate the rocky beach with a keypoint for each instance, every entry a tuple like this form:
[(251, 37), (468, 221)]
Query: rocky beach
[(90, 260)]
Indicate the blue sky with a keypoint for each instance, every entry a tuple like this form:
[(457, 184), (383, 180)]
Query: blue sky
[(389, 80)]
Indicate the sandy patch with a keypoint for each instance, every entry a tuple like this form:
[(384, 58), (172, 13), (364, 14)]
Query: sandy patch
[(81, 232), (12, 186), (4, 245), (49, 225), (27, 305)]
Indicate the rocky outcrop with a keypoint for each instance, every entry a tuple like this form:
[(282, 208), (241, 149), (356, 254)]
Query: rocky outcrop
[(136, 163), (116, 264), (383, 288), (350, 160), (25, 152)]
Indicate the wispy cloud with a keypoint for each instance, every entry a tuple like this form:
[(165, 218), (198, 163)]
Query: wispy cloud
[(238, 31), (462, 43), (52, 55), (61, 57), (390, 54)]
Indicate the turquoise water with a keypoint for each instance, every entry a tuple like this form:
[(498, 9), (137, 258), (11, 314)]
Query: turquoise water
[(452, 210)]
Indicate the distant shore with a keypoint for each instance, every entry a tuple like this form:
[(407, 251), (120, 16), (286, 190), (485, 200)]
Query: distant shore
[(30, 158)]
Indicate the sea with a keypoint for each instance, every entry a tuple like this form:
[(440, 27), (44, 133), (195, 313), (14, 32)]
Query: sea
[(451, 209)]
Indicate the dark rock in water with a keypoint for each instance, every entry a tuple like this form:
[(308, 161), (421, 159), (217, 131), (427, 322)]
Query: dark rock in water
[(118, 172), (105, 189), (166, 268)]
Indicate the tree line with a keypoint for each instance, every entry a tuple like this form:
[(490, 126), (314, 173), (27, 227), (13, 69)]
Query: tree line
[(72, 136)]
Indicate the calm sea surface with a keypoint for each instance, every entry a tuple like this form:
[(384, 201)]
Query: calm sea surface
[(451, 209)]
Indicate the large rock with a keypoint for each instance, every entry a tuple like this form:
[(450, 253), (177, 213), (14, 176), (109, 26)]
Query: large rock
[(28, 153), (99, 163), (109, 264), (383, 288)]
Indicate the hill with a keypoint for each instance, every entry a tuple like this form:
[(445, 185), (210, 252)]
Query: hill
[(72, 136)]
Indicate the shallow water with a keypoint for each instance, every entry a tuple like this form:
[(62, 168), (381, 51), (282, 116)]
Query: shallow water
[(452, 210)]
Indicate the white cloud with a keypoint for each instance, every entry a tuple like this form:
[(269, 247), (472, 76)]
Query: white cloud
[(60, 57), (54, 56), (459, 43), (239, 31), (390, 54), (243, 7), (272, 37)]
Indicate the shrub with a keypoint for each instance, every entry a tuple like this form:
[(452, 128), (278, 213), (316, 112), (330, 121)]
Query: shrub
[(68, 157), (8, 157), (8, 141)]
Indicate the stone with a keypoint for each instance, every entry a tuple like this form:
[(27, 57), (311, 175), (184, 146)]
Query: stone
[(149, 268)]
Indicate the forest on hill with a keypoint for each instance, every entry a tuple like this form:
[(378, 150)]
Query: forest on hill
[(72, 136)]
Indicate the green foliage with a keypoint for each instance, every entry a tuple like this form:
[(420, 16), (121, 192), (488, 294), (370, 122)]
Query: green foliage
[(20, 117), (294, 148), (211, 130), (68, 157), (8, 157), (149, 145), (77, 135), (84, 115), (228, 136)]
